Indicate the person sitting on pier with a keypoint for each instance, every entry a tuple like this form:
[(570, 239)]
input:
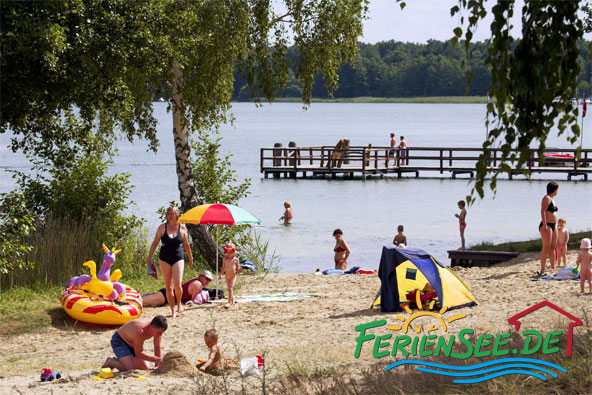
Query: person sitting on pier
[(337, 154)]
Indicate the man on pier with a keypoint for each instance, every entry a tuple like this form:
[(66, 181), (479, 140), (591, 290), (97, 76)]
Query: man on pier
[(391, 153)]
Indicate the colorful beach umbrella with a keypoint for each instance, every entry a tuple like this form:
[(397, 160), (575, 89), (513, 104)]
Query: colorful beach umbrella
[(218, 214)]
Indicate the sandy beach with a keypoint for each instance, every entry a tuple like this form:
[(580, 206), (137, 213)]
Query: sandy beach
[(310, 334)]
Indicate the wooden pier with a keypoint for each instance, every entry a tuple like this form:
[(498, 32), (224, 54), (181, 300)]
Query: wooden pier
[(470, 258), (362, 162)]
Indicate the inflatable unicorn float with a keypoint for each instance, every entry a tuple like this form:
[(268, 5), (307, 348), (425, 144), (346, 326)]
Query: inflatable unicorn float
[(101, 298)]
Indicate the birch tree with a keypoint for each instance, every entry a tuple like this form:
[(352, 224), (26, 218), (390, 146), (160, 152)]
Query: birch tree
[(79, 70)]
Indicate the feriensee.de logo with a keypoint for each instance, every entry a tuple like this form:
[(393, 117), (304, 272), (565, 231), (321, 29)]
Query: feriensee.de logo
[(418, 345)]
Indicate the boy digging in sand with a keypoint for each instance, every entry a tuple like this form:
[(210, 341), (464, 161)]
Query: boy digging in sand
[(229, 267), (216, 361), (128, 344), (584, 261)]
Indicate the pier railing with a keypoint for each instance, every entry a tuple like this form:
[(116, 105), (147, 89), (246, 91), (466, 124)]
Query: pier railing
[(376, 160)]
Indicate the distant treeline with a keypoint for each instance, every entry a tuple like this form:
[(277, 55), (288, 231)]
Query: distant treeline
[(397, 69)]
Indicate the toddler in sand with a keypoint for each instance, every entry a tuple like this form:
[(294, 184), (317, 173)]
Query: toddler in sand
[(584, 261), (400, 238), (562, 239), (229, 267), (216, 361)]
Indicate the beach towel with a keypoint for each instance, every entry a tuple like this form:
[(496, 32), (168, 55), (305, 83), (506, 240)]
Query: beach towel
[(333, 271), (353, 270), (561, 275), (280, 297)]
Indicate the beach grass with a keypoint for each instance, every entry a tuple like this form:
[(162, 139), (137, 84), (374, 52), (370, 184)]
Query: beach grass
[(529, 245), (369, 99), (408, 380), (32, 310)]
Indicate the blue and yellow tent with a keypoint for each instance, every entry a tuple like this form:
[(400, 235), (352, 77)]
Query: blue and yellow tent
[(403, 270)]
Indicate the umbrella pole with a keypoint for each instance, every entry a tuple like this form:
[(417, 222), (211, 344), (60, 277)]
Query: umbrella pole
[(216, 263)]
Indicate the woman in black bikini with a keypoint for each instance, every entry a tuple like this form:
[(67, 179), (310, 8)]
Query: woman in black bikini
[(173, 236), (341, 250), (547, 226)]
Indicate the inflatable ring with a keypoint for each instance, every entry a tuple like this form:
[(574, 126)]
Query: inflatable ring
[(82, 307)]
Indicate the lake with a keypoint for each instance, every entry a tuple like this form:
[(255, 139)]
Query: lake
[(368, 211)]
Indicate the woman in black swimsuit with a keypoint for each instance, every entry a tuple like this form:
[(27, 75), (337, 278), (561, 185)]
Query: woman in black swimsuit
[(547, 226), (173, 236)]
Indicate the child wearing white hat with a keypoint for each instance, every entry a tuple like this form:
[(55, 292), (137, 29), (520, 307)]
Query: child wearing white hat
[(585, 262)]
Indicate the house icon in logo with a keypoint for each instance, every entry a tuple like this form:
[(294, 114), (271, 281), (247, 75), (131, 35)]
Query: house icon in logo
[(515, 320)]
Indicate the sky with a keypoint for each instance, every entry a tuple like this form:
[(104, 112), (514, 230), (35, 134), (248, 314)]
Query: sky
[(422, 20)]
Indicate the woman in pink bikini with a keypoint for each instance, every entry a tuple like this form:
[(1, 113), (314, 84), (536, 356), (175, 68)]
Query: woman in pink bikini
[(341, 250)]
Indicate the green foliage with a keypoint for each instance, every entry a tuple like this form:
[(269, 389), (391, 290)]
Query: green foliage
[(82, 192), (116, 49), (16, 223), (216, 180), (77, 206), (83, 62), (392, 69), (532, 80)]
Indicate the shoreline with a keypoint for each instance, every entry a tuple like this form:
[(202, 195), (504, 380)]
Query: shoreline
[(314, 333)]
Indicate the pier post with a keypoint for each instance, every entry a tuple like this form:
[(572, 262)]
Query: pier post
[(345, 155), (277, 161), (291, 153)]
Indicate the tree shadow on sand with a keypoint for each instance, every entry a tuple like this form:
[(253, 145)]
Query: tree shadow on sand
[(62, 321), (361, 313)]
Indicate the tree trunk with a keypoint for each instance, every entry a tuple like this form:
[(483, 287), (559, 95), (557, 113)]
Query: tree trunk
[(199, 233)]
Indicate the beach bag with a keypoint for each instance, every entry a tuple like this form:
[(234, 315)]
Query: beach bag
[(212, 293), (250, 366), (248, 266), (353, 270), (201, 298), (566, 273)]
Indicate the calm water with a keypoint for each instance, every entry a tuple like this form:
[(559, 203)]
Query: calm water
[(368, 211)]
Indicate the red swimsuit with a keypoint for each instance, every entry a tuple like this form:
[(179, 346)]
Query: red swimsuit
[(340, 249)]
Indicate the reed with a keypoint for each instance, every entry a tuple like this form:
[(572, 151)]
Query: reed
[(407, 380), (61, 245)]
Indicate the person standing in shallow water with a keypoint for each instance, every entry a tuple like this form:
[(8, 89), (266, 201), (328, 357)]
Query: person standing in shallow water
[(173, 236), (547, 226), (287, 217), (341, 250)]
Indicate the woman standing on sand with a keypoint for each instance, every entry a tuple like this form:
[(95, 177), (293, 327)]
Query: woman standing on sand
[(341, 250), (173, 236), (547, 226)]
